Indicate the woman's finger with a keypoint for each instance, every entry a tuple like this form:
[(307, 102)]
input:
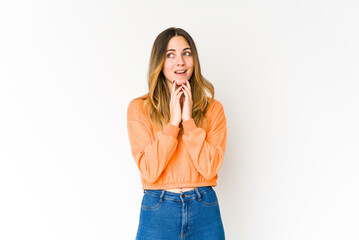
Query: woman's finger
[(188, 99), (188, 91), (178, 90), (188, 84), (178, 93), (174, 85), (173, 88), (185, 91)]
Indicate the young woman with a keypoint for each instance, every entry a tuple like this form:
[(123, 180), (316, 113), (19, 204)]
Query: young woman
[(178, 139)]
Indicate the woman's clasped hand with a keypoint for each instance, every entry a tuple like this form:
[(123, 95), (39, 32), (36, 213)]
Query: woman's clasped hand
[(181, 103)]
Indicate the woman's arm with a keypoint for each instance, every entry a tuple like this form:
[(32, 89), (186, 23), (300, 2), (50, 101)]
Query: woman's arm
[(151, 154), (206, 150)]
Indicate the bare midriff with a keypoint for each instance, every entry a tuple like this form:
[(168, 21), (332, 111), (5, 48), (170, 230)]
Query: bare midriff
[(179, 190)]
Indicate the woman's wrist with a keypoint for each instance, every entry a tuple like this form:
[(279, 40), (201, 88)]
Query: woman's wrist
[(186, 119), (189, 125), (175, 124)]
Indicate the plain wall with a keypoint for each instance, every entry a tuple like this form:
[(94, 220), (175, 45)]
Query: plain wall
[(286, 73)]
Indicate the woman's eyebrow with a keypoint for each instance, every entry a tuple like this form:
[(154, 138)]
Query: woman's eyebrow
[(175, 50)]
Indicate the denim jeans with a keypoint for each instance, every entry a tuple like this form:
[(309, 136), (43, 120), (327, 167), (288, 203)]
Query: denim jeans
[(193, 214)]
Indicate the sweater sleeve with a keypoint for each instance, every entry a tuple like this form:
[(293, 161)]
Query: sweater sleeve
[(151, 154), (206, 150)]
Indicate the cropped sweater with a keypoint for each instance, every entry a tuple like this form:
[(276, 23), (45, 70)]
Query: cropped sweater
[(167, 159)]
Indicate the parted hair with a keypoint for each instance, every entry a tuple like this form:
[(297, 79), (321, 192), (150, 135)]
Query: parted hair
[(157, 102)]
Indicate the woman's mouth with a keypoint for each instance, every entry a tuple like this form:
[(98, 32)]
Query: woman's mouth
[(180, 72)]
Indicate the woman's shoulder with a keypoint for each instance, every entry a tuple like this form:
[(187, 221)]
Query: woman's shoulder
[(135, 107), (139, 99), (214, 105), (215, 112)]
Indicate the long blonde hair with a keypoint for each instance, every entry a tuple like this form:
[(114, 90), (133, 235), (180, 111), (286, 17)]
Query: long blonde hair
[(157, 102)]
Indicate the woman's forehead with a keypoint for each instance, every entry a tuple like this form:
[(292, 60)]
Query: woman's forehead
[(177, 42)]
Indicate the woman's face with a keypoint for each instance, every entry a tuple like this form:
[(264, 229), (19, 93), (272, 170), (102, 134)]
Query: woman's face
[(178, 59)]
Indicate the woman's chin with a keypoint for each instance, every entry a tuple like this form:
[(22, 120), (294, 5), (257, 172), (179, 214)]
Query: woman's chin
[(180, 81)]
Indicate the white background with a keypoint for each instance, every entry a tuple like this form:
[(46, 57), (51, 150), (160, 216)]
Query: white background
[(286, 73)]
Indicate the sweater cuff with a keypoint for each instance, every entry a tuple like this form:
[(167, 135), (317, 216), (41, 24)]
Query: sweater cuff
[(171, 130), (189, 125)]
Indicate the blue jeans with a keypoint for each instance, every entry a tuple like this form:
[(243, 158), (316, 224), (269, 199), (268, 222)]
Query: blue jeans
[(194, 214)]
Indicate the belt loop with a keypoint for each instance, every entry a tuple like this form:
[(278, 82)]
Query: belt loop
[(161, 197), (198, 193)]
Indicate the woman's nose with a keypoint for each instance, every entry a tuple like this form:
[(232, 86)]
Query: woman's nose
[(180, 60)]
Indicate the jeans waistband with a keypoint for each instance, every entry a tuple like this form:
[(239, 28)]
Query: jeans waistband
[(194, 193)]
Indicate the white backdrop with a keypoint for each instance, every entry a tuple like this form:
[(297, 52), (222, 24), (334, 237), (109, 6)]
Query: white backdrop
[(286, 73)]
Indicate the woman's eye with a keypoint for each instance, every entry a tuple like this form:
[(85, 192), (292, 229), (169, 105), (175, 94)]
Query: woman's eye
[(187, 53), (169, 55)]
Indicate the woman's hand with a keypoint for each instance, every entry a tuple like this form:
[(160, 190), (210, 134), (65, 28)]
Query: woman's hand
[(175, 106), (187, 105)]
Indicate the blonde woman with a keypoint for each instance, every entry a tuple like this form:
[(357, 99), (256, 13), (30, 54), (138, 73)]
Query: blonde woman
[(178, 137)]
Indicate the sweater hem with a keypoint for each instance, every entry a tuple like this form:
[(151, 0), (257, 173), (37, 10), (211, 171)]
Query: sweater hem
[(179, 185)]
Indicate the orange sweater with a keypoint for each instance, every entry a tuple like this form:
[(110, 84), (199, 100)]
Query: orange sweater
[(166, 159)]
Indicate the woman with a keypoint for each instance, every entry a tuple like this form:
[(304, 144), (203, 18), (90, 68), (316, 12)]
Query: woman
[(178, 138)]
